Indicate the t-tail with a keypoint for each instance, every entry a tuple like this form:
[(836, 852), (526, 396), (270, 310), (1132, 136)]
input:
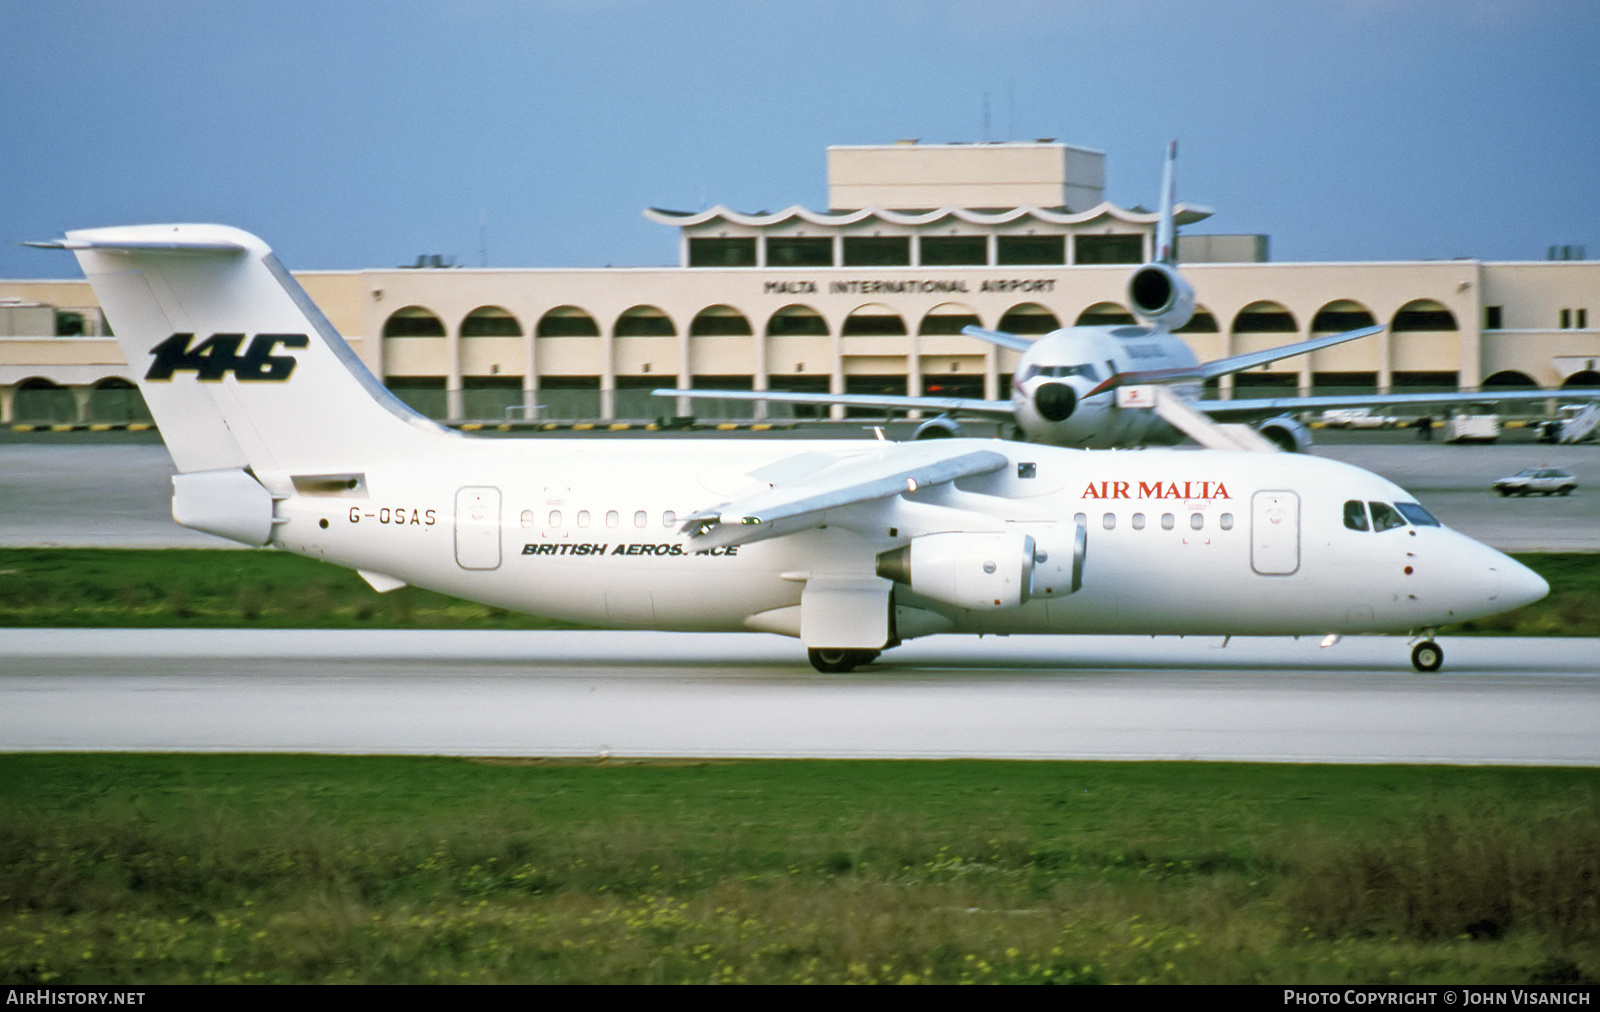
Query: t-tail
[(237, 365), (1156, 291), (255, 394)]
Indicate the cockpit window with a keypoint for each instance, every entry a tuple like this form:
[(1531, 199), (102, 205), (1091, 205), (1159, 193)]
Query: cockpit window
[(1418, 516), (1088, 372), (1384, 517), (1355, 515)]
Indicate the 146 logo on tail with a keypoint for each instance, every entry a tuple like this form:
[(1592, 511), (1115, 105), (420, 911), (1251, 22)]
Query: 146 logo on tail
[(218, 355)]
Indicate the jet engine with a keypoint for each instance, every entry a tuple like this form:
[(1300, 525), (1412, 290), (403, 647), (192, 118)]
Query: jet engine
[(1160, 295), (968, 570), (1055, 401), (1288, 432), (942, 427)]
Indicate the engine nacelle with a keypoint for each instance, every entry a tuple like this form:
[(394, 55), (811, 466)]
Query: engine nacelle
[(1058, 557), (1288, 432), (980, 571), (1158, 293), (942, 427)]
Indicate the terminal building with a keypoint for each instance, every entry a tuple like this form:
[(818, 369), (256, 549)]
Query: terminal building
[(867, 296)]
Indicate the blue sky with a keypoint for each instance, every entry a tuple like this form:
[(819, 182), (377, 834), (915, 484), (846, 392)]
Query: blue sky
[(356, 135)]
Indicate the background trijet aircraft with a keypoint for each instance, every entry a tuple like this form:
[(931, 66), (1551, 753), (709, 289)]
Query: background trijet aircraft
[(1105, 386), (281, 437)]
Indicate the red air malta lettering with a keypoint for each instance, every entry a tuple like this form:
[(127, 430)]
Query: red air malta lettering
[(1156, 490)]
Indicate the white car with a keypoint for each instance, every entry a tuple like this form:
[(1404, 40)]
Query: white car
[(1543, 480)]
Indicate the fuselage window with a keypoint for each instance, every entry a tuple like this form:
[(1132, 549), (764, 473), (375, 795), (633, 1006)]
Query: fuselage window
[(1355, 515), (1168, 521), (1138, 521), (583, 518), (668, 518), (1197, 520), (1384, 517), (641, 519), (555, 518), (1418, 516), (527, 518), (1080, 519), (1226, 521), (612, 518), (1109, 521)]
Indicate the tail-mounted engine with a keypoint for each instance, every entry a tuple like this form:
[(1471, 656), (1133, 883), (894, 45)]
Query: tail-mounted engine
[(1158, 293)]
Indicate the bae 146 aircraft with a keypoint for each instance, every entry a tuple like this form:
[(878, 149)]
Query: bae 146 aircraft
[(1104, 386), (282, 438)]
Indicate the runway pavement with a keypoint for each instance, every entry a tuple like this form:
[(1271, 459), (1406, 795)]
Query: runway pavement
[(718, 695)]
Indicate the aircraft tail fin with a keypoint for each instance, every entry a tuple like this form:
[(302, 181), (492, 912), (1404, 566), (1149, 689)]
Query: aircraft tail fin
[(237, 365), (1166, 228)]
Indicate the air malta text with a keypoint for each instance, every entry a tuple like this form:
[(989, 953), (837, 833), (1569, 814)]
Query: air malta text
[(218, 355), (635, 548), (1157, 490)]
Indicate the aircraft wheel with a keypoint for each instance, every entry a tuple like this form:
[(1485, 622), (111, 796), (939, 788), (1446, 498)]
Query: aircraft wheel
[(837, 662), (1427, 656)]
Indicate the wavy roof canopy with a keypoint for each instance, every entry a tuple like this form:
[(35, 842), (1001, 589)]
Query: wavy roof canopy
[(1187, 214)]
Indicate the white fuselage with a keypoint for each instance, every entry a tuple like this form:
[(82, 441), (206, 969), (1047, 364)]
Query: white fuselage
[(1177, 541)]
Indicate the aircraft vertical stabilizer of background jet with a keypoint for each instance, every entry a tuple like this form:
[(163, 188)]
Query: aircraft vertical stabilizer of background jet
[(1133, 385)]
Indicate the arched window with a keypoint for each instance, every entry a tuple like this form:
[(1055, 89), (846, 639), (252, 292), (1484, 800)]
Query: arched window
[(1423, 314), (873, 320), (413, 321), (1581, 379), (1104, 314), (1509, 379), (948, 318), (1341, 315), (567, 321), (645, 321), (490, 321), (797, 321), (1028, 318), (116, 400), (1264, 318), (719, 321), (41, 401)]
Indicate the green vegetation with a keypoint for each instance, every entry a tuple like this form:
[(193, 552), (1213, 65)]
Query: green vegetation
[(134, 588), (131, 588), (144, 869)]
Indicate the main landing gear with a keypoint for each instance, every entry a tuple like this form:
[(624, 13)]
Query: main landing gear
[(837, 662), (1427, 656)]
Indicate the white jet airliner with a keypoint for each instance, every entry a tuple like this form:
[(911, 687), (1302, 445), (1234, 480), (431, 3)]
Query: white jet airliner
[(1104, 386), (282, 437)]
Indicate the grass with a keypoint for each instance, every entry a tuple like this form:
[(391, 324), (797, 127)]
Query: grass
[(135, 588), (145, 869), (131, 588)]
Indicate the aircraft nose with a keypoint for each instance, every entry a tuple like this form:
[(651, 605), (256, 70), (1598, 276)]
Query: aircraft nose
[(1519, 585)]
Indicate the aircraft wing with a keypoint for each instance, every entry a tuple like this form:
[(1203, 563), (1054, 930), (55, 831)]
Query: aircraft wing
[(887, 469), (1259, 407), (998, 337), (965, 405), (1233, 363)]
